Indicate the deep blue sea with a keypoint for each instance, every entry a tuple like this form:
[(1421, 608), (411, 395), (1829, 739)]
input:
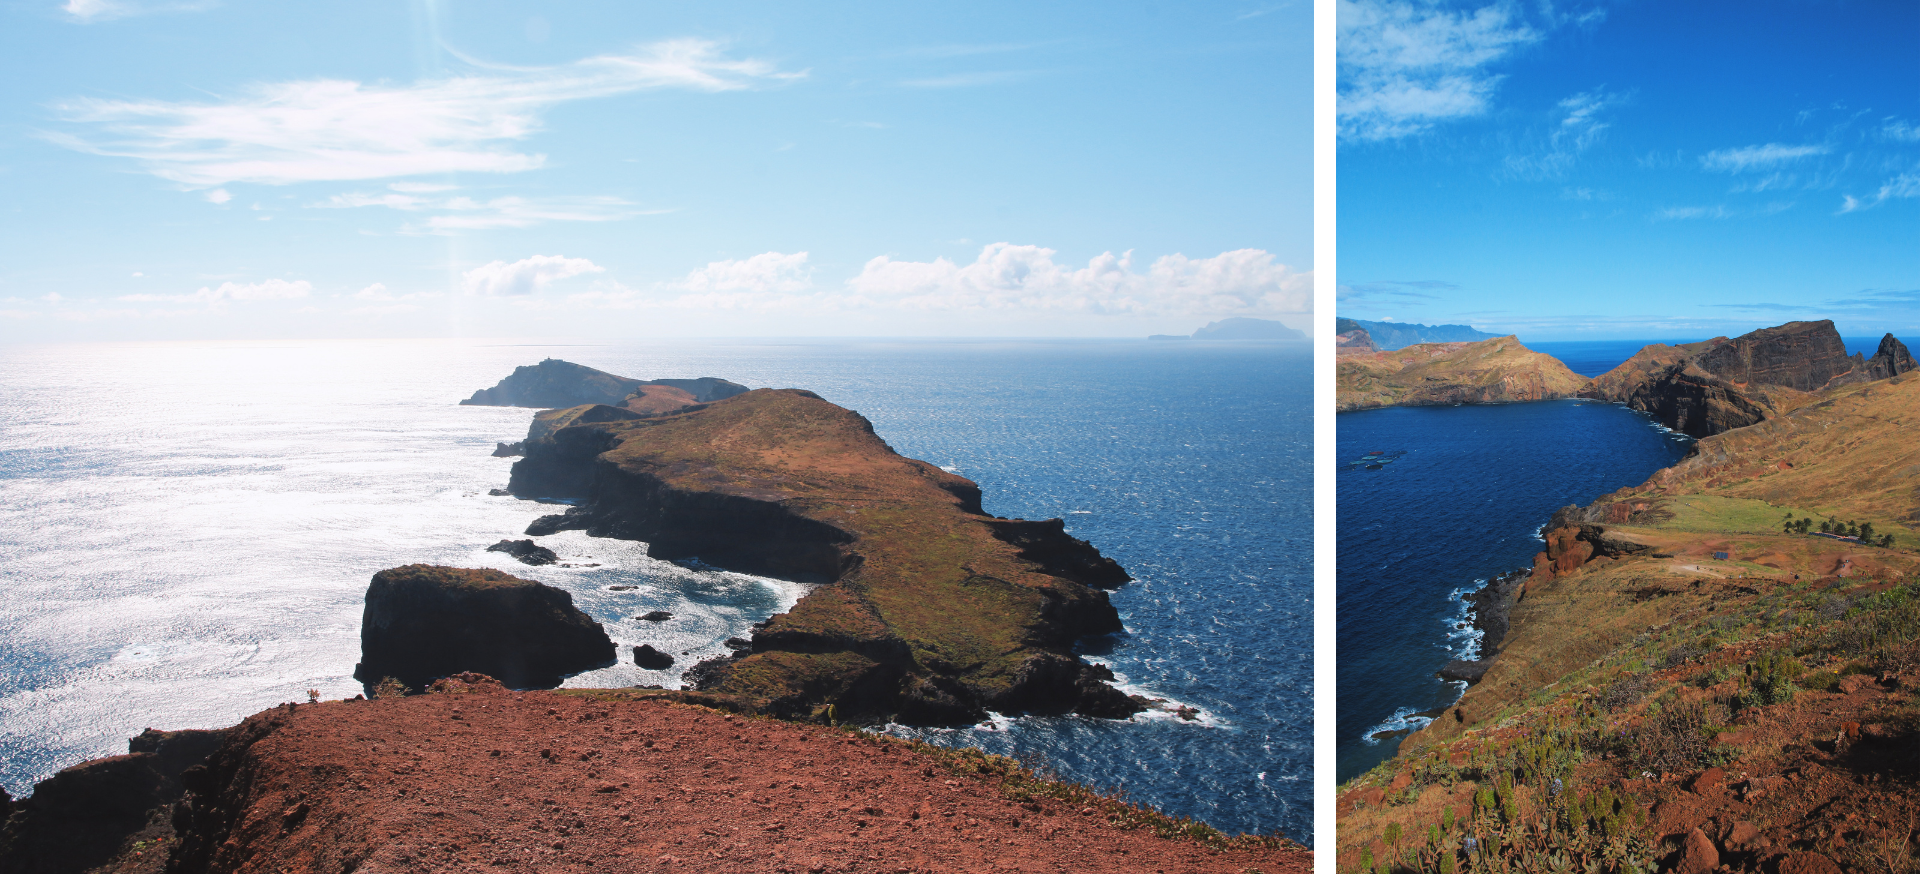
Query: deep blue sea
[(187, 530), (1465, 502)]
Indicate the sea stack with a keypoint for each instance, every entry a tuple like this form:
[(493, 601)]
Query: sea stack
[(423, 622)]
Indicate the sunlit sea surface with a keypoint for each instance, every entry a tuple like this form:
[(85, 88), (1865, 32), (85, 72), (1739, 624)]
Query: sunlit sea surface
[(187, 531)]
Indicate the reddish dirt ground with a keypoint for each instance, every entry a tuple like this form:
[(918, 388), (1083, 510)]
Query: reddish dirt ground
[(549, 782)]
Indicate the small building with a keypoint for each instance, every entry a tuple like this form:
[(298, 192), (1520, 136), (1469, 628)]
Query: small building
[(1720, 556)]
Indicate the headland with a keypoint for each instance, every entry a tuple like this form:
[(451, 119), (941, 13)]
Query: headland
[(1714, 667)]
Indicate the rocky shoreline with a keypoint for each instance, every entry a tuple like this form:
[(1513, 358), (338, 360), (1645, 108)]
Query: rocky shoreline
[(1489, 610)]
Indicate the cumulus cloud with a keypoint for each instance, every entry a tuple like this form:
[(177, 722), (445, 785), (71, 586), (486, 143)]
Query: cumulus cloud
[(1010, 277), (1406, 66), (218, 195), (1758, 157), (339, 130), (1004, 277), (271, 289), (524, 277)]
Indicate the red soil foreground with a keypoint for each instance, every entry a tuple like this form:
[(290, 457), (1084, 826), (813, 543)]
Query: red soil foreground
[(549, 782)]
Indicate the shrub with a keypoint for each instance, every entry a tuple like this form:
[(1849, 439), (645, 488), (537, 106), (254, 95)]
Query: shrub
[(1625, 691), (1770, 680), (390, 687), (1678, 738)]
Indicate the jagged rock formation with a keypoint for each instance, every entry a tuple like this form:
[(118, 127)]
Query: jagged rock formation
[(555, 383), (423, 622), (1500, 370), (1717, 385), (931, 612), (86, 816)]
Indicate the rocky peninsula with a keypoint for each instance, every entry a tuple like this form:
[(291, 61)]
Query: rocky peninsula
[(1716, 667), (1500, 370), (927, 610)]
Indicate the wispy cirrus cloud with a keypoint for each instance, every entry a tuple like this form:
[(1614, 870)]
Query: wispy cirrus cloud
[(1765, 157), (341, 130), (457, 213), (968, 80), (1405, 67), (271, 289), (1412, 289), (1900, 187), (90, 11), (1579, 121)]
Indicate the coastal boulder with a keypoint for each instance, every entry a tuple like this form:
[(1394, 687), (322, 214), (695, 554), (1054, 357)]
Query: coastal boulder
[(652, 659), (527, 551), (423, 622)]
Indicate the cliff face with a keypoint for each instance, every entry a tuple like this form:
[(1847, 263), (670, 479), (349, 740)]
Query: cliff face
[(1352, 339), (89, 815), (930, 611), (1500, 370), (424, 622), (1715, 386)]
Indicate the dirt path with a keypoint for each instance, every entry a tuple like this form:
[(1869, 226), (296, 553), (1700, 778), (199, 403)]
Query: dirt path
[(548, 782)]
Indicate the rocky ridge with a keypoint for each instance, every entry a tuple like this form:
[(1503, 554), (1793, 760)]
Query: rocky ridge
[(1500, 370)]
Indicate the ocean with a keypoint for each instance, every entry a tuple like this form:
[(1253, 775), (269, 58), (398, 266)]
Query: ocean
[(187, 531)]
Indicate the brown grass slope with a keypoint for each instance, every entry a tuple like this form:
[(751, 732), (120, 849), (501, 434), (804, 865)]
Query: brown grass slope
[(933, 610), (1433, 374)]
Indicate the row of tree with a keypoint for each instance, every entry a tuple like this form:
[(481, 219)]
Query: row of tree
[(1832, 525)]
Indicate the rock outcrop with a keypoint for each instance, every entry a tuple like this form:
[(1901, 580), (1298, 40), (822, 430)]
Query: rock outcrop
[(526, 551), (1494, 371), (929, 610), (1352, 339), (1715, 386), (423, 622), (554, 383)]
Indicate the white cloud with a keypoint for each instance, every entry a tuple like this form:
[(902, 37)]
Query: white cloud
[(271, 289), (1758, 157), (376, 291), (218, 195), (1901, 130), (1406, 66), (524, 277), (1692, 212), (1578, 128), (330, 129), (766, 272), (466, 213), (90, 11), (1902, 186), (1010, 277)]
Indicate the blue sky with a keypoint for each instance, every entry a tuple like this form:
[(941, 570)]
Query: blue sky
[(1615, 170), (197, 169)]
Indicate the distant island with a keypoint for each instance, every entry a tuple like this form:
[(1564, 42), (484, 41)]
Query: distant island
[(1388, 336), (1707, 668), (1239, 328)]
